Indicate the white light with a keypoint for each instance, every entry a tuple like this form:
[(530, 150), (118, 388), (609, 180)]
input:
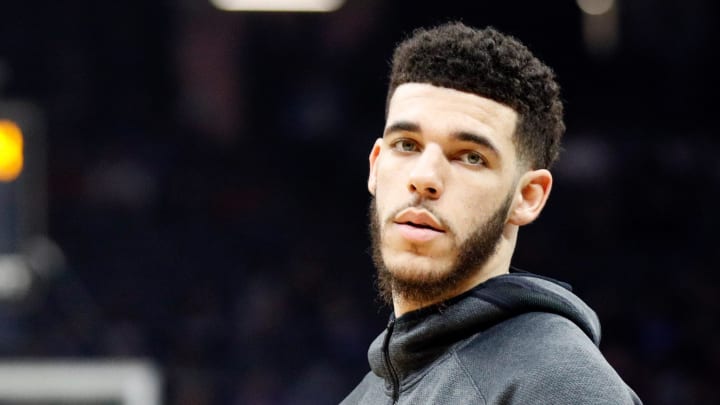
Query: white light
[(278, 5), (600, 25), (15, 277), (595, 7)]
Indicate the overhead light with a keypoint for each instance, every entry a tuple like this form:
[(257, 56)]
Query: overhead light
[(318, 6), (595, 7), (601, 27)]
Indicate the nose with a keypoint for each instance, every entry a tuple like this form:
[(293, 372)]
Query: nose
[(426, 177)]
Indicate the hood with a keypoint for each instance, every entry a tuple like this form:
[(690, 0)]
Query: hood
[(419, 337)]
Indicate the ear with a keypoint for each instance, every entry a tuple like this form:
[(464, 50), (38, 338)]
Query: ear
[(374, 154), (530, 196)]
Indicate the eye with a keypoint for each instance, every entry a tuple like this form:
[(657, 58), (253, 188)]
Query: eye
[(473, 158), (405, 145)]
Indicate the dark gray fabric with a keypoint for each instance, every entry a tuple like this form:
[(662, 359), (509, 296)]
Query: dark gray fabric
[(515, 339)]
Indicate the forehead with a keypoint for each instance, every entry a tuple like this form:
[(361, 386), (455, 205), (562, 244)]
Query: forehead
[(440, 109)]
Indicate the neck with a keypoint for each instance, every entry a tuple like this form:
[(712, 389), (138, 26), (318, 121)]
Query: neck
[(497, 264)]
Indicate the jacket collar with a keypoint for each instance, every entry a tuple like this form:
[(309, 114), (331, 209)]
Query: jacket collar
[(420, 337)]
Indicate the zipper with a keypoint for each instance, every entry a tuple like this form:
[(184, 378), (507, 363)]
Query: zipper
[(391, 370)]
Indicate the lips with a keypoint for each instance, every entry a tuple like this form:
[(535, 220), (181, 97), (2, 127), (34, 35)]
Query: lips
[(418, 225)]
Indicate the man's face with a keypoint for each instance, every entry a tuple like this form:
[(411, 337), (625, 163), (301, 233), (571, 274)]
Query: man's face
[(443, 177)]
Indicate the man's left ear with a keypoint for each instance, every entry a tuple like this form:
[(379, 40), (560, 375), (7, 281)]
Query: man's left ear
[(530, 196)]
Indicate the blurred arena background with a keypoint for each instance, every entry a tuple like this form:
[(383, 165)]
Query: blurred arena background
[(191, 197)]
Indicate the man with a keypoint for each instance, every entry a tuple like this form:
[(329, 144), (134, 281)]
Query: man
[(474, 122)]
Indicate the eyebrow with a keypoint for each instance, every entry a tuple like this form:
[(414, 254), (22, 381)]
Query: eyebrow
[(464, 136), (479, 140), (402, 126)]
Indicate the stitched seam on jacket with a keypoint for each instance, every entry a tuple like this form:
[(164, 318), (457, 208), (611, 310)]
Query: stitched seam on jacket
[(467, 374), (415, 378)]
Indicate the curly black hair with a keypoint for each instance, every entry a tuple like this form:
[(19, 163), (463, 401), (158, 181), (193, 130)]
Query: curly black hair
[(493, 65)]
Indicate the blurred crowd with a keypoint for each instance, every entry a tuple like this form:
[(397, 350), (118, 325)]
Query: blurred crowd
[(207, 185)]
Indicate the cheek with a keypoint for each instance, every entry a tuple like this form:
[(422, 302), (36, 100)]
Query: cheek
[(390, 192), (387, 173), (382, 204), (466, 225), (469, 211)]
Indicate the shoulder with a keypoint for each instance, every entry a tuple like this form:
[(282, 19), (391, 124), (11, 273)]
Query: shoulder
[(534, 339), (540, 358)]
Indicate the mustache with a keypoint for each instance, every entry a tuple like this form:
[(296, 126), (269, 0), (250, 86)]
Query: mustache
[(418, 205)]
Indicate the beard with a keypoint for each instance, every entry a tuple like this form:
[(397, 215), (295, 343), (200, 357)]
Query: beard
[(473, 254)]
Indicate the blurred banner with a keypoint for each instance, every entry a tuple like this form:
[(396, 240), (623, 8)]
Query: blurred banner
[(80, 382)]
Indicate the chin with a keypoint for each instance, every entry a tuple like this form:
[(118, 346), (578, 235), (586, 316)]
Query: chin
[(412, 267)]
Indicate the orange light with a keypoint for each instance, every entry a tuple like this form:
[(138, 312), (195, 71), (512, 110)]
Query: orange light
[(11, 151)]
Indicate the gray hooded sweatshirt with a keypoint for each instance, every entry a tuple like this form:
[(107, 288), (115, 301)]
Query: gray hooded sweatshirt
[(514, 339)]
